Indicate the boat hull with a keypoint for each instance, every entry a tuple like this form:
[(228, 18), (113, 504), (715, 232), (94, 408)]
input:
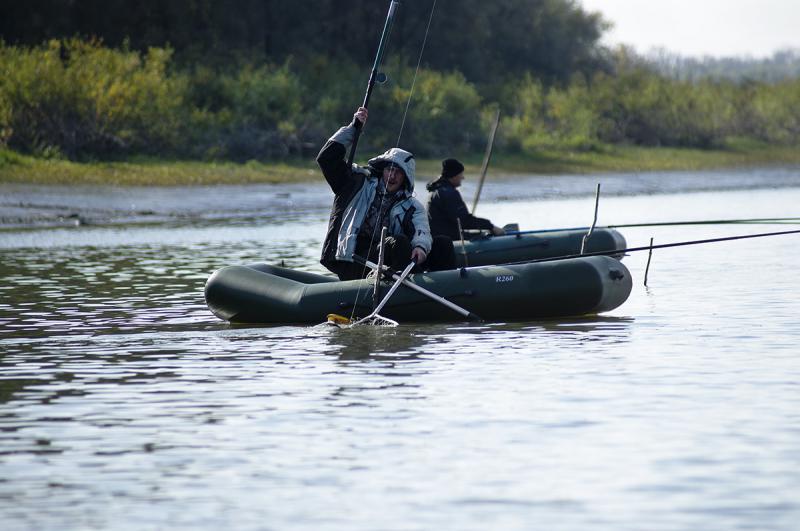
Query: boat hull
[(489, 250), (269, 294)]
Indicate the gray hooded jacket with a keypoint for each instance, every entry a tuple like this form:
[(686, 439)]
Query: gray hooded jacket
[(355, 188)]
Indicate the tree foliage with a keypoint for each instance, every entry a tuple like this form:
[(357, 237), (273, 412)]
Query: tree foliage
[(483, 40), (263, 79), (80, 97)]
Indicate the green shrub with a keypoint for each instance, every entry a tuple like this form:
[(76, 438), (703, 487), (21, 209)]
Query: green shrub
[(522, 127), (573, 119), (88, 100), (444, 116), (5, 120), (253, 113), (776, 111), (332, 92), (80, 99)]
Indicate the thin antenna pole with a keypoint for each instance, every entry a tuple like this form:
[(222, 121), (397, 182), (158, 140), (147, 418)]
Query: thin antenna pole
[(591, 229), (649, 256)]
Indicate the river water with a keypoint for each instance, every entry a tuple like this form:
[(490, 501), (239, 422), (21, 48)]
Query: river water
[(124, 404)]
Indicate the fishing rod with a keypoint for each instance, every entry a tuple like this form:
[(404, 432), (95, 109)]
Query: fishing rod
[(374, 75), (759, 221), (486, 158), (659, 246), (755, 221)]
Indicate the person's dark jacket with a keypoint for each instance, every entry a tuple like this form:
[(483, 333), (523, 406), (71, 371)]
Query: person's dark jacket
[(446, 207), (354, 189)]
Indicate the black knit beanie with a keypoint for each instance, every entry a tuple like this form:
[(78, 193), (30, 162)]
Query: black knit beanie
[(451, 168)]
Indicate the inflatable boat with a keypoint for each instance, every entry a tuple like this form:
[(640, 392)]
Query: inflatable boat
[(268, 294), (533, 245)]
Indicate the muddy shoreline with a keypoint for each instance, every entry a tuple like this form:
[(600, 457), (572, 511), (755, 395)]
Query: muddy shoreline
[(25, 206)]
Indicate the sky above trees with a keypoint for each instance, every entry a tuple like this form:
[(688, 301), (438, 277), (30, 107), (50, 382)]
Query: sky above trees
[(718, 28)]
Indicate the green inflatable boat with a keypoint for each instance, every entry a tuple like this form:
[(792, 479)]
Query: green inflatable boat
[(533, 245), (269, 294)]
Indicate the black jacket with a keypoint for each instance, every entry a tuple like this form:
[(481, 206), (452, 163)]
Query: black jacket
[(445, 207), (345, 184)]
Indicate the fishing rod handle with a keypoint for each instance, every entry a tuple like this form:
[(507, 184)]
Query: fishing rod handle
[(372, 76)]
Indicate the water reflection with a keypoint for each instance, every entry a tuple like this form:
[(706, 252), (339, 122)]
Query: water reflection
[(119, 289), (123, 398), (379, 343)]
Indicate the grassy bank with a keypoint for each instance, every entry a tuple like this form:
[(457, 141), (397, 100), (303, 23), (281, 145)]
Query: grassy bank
[(17, 168), (639, 159)]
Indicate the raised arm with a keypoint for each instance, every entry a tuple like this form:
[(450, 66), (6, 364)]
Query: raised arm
[(332, 157)]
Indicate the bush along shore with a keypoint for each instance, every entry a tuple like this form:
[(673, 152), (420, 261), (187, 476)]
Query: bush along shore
[(78, 111)]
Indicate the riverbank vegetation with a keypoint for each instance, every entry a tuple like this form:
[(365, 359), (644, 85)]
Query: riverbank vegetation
[(119, 110), (18, 168)]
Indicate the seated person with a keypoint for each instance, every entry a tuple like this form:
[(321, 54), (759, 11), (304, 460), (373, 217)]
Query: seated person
[(446, 207), (369, 198)]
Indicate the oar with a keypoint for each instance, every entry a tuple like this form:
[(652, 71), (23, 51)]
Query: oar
[(373, 76), (441, 300)]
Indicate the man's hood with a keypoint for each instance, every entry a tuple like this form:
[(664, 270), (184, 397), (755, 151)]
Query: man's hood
[(402, 158)]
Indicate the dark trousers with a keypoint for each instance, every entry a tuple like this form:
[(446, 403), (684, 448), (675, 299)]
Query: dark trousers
[(442, 255), (397, 255)]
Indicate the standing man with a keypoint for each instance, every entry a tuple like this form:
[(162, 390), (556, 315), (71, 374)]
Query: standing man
[(446, 207), (369, 198)]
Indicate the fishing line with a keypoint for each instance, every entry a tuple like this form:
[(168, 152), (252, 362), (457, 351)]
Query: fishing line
[(374, 74), (764, 221), (416, 71), (753, 221), (660, 246), (399, 136)]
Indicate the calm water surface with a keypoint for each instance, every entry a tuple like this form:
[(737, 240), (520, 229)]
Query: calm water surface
[(124, 404)]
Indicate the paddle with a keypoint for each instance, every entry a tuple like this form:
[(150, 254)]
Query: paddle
[(373, 76), (419, 289)]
